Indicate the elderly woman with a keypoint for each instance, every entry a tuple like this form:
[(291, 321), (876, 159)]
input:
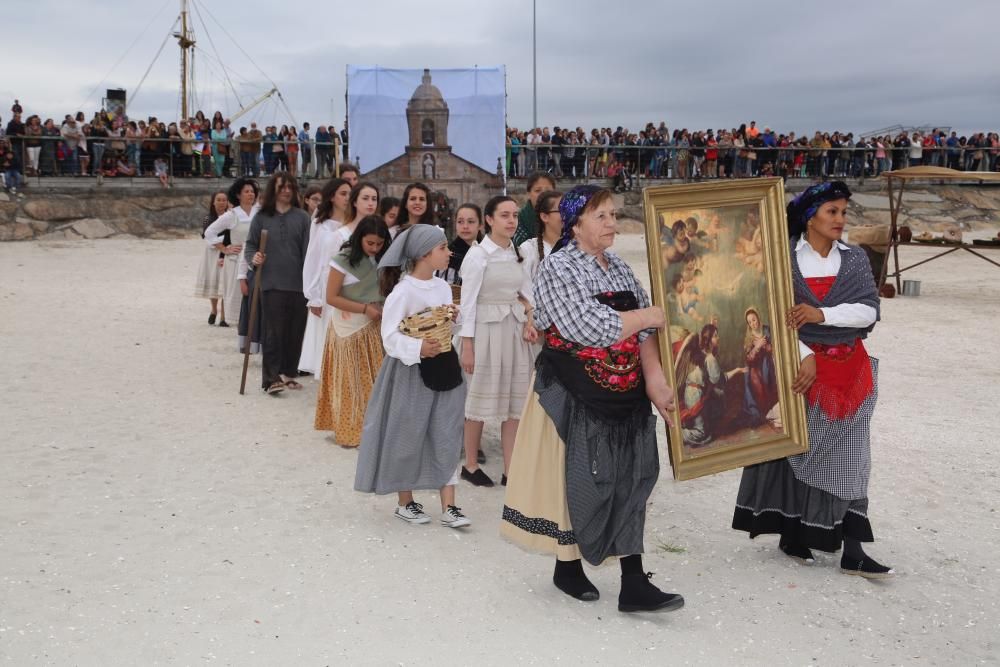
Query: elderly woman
[(585, 460), (819, 500)]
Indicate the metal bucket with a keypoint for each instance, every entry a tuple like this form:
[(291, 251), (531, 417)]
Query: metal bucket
[(911, 288)]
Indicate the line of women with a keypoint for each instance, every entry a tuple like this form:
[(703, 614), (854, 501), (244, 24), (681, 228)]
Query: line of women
[(555, 339)]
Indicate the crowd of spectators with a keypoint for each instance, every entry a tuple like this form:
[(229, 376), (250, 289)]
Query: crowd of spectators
[(109, 144), (743, 152)]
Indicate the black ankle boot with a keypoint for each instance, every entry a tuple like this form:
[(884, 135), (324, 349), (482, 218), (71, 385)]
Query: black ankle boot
[(639, 594), (866, 567), (796, 551), (571, 580)]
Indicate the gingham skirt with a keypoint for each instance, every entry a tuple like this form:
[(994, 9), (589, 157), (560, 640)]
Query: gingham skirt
[(412, 436), (578, 484), (819, 497)]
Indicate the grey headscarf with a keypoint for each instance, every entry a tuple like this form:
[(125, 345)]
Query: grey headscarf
[(412, 244)]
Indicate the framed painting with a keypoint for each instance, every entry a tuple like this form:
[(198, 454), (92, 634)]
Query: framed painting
[(720, 268)]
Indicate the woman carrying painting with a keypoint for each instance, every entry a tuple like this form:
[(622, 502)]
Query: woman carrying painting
[(585, 460), (819, 500)]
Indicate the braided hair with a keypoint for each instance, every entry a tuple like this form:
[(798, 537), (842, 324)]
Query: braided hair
[(544, 205)]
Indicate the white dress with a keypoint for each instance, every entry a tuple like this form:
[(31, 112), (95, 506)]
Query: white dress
[(237, 221), (315, 271), (209, 282), (494, 318)]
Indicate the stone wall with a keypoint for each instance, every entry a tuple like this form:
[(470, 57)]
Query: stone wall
[(146, 210), (153, 212)]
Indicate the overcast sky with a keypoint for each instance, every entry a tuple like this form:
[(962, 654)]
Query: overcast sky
[(788, 64)]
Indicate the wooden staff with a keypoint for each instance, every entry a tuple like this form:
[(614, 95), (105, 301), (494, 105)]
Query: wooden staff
[(255, 297)]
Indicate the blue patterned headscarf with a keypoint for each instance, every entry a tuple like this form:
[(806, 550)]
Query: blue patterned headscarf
[(572, 204), (804, 207)]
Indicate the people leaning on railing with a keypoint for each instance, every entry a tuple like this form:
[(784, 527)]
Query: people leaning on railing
[(214, 148)]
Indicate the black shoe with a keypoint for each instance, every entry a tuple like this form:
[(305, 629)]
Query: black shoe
[(211, 319), (223, 324), (478, 478), (639, 594), (797, 551), (571, 580), (867, 567), (480, 457), (503, 480)]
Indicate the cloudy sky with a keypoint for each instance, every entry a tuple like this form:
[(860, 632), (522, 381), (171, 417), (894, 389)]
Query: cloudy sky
[(788, 64)]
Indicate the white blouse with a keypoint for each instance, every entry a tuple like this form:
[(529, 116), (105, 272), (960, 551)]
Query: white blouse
[(408, 297), (314, 268), (228, 221), (473, 270), (529, 250), (814, 265)]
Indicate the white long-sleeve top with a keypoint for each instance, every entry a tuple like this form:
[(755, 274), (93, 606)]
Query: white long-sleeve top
[(228, 221), (814, 265), (472, 272), (408, 297), (529, 250), (315, 268)]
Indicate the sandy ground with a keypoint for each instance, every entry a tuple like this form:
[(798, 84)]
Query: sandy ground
[(151, 515)]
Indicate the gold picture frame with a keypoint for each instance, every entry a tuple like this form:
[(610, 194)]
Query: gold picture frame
[(719, 266)]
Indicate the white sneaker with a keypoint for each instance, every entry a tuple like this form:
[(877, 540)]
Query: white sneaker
[(412, 512), (453, 518)]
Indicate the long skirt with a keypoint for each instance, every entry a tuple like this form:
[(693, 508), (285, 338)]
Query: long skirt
[(578, 485), (209, 282), (350, 366), (501, 380), (818, 498), (315, 340), (230, 287), (412, 436)]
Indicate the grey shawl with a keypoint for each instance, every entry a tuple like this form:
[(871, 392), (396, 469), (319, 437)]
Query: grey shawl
[(855, 284)]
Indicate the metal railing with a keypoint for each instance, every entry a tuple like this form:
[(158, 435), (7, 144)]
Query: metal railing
[(624, 163), (39, 157), (44, 156)]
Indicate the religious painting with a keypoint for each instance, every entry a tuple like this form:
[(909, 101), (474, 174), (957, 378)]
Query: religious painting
[(720, 268)]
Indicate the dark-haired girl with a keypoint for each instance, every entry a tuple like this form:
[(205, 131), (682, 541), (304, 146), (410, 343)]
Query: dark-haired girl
[(415, 207), (536, 249), (527, 219), (353, 342), (468, 232), (495, 329), (243, 195), (209, 283), (388, 209)]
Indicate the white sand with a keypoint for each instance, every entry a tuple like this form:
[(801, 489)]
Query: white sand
[(151, 515)]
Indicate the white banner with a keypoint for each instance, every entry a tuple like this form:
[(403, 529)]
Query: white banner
[(376, 107)]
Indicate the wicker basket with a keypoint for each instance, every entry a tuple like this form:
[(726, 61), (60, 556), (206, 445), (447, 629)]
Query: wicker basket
[(430, 323)]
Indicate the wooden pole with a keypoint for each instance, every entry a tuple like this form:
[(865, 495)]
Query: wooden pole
[(254, 300), (895, 235), (892, 237)]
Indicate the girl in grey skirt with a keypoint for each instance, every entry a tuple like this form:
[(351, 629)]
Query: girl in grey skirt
[(412, 435)]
